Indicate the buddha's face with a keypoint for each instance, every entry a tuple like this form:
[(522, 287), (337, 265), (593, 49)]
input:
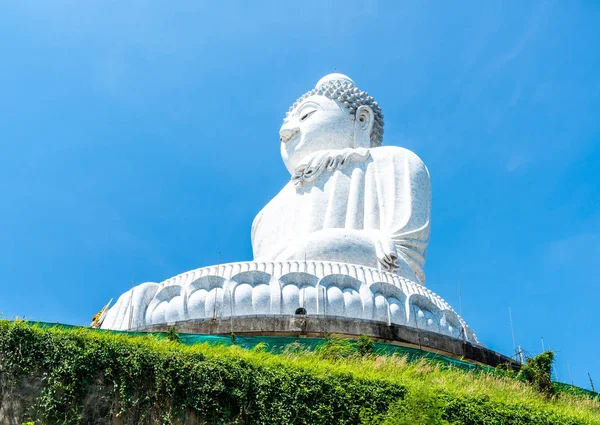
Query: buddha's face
[(316, 124)]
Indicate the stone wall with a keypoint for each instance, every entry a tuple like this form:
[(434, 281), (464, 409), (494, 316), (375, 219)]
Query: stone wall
[(320, 326)]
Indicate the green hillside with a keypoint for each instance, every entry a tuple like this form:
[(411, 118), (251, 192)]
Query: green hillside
[(84, 376)]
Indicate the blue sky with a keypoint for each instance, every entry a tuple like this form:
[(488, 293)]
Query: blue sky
[(144, 136)]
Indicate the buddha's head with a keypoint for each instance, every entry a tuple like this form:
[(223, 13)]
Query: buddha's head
[(333, 115)]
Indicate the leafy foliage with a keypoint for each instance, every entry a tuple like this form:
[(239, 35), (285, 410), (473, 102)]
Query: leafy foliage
[(335, 348), (364, 345), (538, 372), (90, 376), (421, 406), (172, 335)]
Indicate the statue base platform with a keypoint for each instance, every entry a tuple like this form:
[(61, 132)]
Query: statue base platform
[(304, 326), (352, 293)]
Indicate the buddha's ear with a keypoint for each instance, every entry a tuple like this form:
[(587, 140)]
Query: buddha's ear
[(363, 124)]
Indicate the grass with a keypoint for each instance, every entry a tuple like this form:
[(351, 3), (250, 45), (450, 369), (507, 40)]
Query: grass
[(169, 371), (414, 375)]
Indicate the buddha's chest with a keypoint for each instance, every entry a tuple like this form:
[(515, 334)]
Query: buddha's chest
[(336, 199)]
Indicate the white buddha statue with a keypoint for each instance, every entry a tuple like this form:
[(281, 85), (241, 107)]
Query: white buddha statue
[(351, 210), (348, 199)]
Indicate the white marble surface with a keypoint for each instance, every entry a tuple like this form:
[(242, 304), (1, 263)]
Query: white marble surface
[(346, 236), (358, 214), (279, 288), (348, 200)]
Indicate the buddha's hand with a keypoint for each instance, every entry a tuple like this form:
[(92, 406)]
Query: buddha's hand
[(388, 261), (368, 247), (386, 253)]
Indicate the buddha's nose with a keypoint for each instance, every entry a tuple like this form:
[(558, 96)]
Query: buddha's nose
[(286, 133)]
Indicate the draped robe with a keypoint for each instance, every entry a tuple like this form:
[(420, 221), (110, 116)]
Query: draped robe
[(354, 212)]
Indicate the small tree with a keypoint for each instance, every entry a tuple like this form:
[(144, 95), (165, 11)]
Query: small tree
[(538, 372), (364, 345), (172, 335)]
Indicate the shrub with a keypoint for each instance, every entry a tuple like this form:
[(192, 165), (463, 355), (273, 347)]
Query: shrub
[(146, 380), (172, 335), (364, 345), (538, 372), (420, 406)]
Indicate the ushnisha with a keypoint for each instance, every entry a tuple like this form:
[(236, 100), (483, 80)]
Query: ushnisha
[(348, 199)]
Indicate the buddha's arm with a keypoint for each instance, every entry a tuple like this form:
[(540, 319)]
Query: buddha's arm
[(344, 245), (405, 189)]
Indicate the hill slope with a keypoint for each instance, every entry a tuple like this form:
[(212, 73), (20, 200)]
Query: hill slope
[(85, 376)]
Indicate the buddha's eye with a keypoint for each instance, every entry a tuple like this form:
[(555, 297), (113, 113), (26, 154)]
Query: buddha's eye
[(307, 114)]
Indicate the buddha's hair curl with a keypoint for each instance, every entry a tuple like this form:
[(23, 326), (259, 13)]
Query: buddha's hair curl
[(347, 94)]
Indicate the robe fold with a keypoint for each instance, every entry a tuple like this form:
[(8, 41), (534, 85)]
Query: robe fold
[(365, 207)]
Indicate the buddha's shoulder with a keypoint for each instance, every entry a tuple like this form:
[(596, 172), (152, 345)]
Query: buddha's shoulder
[(396, 153)]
